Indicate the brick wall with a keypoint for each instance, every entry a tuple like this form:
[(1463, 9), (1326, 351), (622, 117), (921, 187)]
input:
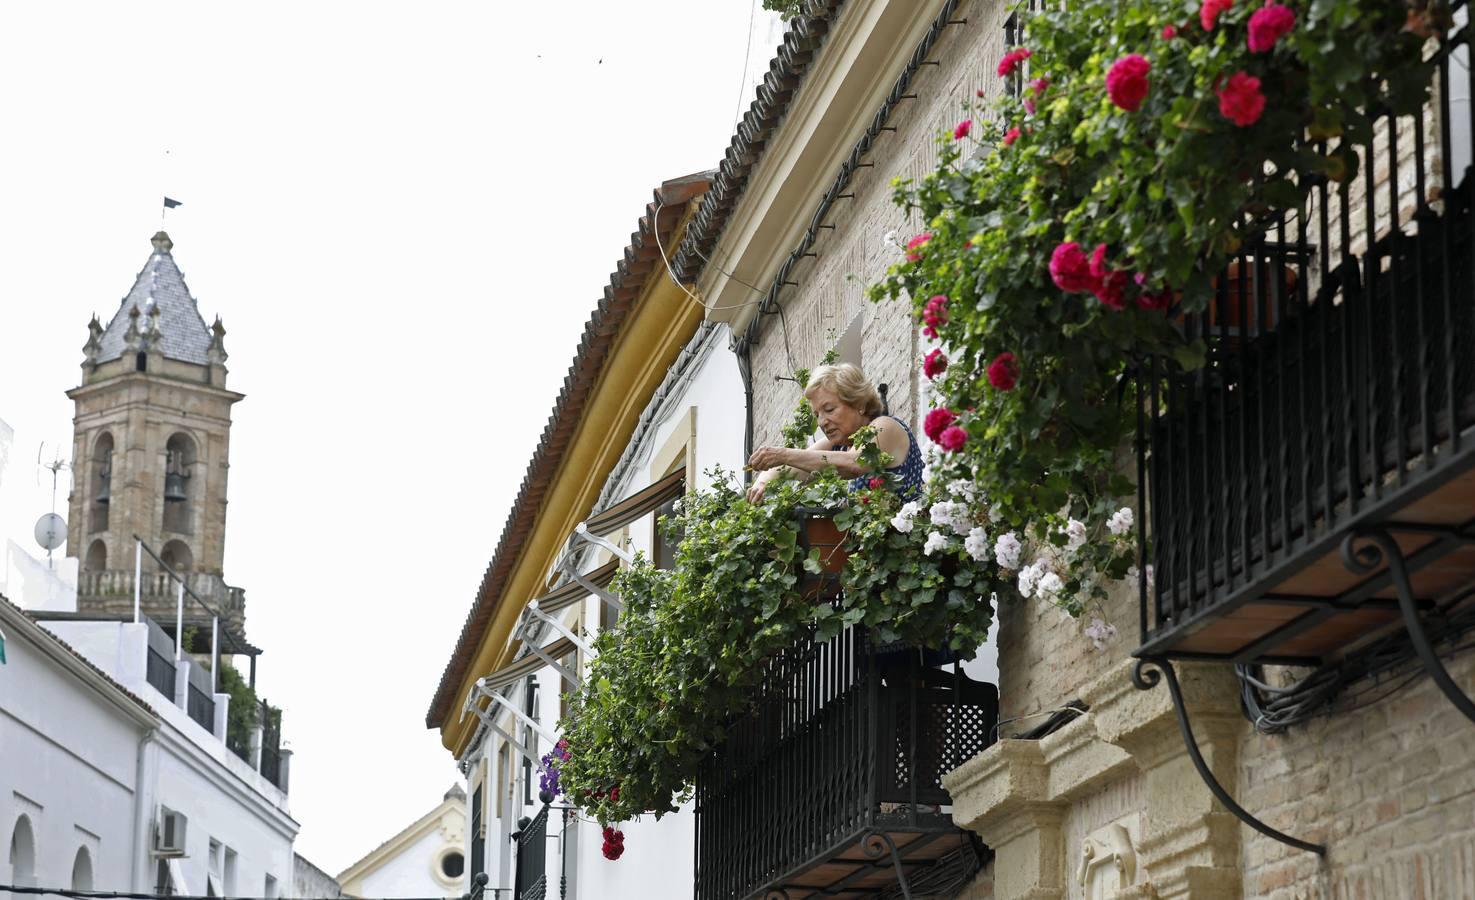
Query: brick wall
[(831, 285), (1390, 787)]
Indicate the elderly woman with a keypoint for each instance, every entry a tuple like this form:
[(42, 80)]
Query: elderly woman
[(845, 402)]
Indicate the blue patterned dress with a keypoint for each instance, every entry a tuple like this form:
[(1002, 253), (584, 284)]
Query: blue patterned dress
[(906, 478)]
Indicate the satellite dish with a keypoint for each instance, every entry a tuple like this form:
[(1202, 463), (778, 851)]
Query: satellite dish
[(51, 531)]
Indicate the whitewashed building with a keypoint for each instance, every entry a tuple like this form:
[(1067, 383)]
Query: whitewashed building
[(427, 858)]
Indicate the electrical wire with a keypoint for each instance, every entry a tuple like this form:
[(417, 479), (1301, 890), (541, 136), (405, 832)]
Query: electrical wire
[(747, 57), (671, 273), (76, 894)]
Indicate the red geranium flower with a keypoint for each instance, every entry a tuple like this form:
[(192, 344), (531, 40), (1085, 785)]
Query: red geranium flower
[(876, 482), (1240, 99), (953, 439), (1170, 32), (914, 246), (1126, 81), (1011, 61), (1156, 300), (1113, 290), (1069, 269), (1003, 372), (934, 364), (934, 315), (1098, 262), (1208, 14), (1269, 24), (1011, 136), (1039, 85), (962, 129), (938, 421)]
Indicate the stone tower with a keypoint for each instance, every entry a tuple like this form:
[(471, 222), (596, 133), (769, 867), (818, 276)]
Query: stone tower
[(151, 449)]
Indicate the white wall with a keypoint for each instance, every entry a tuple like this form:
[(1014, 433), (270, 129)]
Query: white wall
[(69, 765), (410, 874), (189, 770)]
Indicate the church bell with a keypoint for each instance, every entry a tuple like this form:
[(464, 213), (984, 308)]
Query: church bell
[(174, 487)]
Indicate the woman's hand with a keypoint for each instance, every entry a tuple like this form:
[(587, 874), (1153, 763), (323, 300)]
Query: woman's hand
[(765, 458), (756, 490)]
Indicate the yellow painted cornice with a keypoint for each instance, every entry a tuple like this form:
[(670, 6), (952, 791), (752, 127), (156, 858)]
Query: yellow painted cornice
[(661, 321)]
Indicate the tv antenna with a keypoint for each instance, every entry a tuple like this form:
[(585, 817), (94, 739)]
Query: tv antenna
[(51, 529)]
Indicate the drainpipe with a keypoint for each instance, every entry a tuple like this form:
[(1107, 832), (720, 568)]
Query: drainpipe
[(745, 371), (142, 806)]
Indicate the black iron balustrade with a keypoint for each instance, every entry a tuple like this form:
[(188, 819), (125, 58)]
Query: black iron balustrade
[(160, 672), (1311, 490), (831, 786), (201, 707), (531, 879), (271, 744), (1338, 395)]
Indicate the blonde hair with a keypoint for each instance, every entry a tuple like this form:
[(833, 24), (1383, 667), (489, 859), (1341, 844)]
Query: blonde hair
[(849, 384)]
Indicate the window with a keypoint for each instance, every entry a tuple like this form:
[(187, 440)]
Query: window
[(230, 873), (663, 547), (215, 866), (163, 883), (453, 865), (82, 870), (530, 738), (478, 836), (23, 854), (97, 556), (270, 889)]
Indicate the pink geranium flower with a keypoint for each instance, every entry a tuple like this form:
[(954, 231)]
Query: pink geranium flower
[(962, 129), (953, 439), (1003, 372), (1269, 24), (1240, 100), (934, 364), (1070, 270), (1208, 13), (1126, 81)]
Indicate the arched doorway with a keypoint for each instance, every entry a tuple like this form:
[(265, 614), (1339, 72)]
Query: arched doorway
[(23, 854)]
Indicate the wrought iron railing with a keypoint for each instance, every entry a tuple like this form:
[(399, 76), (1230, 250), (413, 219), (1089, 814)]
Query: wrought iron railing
[(1339, 378), (271, 744), (531, 881), (201, 707), (160, 672), (845, 741)]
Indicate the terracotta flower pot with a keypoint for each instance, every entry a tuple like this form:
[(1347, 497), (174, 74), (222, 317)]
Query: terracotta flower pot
[(817, 531), (1240, 277)]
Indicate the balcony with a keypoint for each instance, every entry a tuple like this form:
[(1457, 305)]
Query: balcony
[(1310, 491), (831, 786)]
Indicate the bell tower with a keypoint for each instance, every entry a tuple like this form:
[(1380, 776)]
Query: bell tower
[(151, 450)]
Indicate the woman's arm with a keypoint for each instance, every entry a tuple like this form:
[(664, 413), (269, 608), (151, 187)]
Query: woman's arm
[(768, 461), (891, 437)]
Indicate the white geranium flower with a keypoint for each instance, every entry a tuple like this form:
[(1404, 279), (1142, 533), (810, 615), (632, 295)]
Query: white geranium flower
[(902, 523), (1029, 578), (961, 487), (1075, 535), (1100, 632), (977, 544), (935, 541), (1006, 550), (1121, 521), (1050, 586)]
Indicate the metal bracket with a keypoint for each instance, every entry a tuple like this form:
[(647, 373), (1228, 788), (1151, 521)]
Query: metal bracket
[(878, 842), (1146, 681), (1379, 547), (582, 530), (578, 578), (511, 707), (491, 723)]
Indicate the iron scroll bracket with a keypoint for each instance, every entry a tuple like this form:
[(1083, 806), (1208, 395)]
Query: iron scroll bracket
[(1376, 548), (1146, 680)]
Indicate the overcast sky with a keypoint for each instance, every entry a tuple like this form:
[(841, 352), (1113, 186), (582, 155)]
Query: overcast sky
[(404, 214)]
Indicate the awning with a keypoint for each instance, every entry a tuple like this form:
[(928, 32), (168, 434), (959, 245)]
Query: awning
[(651, 498), (524, 666), (566, 595)]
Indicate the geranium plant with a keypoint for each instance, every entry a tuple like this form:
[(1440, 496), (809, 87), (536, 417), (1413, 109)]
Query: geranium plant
[(1061, 235)]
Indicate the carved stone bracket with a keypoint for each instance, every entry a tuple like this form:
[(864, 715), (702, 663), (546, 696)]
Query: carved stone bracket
[(1017, 794)]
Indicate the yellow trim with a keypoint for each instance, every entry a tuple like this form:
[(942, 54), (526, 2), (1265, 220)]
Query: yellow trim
[(662, 320)]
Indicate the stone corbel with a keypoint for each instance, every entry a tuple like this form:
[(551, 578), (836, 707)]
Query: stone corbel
[(1002, 795)]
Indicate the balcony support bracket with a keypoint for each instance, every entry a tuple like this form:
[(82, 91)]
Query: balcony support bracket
[(1363, 551), (1146, 680), (878, 842)]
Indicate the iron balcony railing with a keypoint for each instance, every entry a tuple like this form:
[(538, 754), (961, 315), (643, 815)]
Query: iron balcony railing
[(160, 673), (201, 708), (531, 881), (843, 751), (271, 744), (1340, 378)]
